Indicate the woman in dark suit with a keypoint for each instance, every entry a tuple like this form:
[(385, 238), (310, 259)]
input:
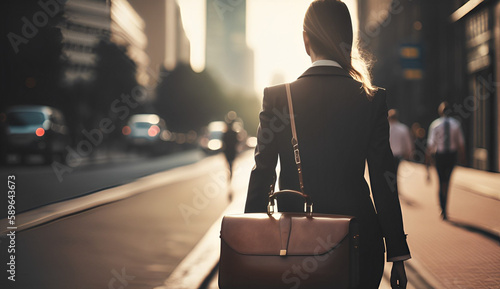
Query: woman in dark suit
[(341, 122)]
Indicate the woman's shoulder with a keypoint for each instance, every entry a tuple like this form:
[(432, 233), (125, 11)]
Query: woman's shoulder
[(275, 89), (278, 91), (274, 96)]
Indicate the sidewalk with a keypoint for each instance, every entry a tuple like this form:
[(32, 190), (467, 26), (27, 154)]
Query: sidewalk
[(464, 251)]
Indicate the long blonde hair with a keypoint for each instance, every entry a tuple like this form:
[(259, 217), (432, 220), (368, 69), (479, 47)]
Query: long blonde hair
[(329, 28)]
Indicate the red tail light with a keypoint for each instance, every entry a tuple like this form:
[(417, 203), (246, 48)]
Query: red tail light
[(153, 130), (126, 130), (40, 132)]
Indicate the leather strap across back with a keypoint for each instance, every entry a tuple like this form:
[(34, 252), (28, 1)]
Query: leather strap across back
[(295, 141)]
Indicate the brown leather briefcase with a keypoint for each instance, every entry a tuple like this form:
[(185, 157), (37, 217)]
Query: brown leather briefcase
[(289, 250)]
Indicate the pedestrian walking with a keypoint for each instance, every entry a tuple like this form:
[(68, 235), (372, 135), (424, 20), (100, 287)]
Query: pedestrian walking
[(399, 138), (444, 144), (341, 120), (230, 140)]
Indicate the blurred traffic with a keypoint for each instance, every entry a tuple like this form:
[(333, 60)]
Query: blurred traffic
[(35, 129)]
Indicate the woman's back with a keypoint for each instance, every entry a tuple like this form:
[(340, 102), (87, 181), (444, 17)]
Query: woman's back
[(333, 119)]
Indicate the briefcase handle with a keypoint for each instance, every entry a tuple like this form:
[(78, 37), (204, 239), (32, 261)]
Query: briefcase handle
[(308, 205)]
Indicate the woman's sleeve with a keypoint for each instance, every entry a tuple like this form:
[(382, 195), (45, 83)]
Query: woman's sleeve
[(383, 181), (266, 156)]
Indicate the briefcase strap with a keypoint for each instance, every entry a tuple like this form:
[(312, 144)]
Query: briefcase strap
[(295, 141), (308, 204)]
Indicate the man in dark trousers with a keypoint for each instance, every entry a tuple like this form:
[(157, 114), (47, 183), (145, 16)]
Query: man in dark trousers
[(230, 140), (446, 143)]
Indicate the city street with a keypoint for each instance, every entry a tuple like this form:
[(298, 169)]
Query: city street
[(138, 241), (38, 185), (141, 238)]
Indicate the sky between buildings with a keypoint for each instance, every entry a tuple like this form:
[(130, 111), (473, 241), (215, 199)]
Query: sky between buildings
[(274, 32)]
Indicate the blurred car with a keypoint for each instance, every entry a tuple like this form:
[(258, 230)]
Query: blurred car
[(211, 141), (146, 131), (36, 129)]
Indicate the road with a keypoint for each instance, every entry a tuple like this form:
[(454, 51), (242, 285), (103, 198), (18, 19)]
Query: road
[(134, 243), (40, 185)]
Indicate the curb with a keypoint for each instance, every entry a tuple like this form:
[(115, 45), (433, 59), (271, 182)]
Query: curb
[(476, 181), (199, 266), (462, 178), (51, 212)]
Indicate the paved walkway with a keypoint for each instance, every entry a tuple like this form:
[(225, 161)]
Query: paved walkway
[(463, 252)]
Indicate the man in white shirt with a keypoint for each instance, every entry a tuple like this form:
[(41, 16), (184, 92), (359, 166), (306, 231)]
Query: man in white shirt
[(445, 141), (399, 138)]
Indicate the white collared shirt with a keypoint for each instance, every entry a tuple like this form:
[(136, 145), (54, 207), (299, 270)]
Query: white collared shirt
[(400, 139), (326, 62), (436, 139)]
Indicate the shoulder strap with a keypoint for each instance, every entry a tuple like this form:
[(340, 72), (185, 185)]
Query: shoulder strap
[(295, 142)]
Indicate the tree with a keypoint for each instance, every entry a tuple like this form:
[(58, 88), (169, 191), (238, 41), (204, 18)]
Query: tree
[(115, 75), (31, 62), (189, 100)]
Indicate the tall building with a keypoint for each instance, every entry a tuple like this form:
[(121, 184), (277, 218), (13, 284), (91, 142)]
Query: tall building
[(432, 51), (474, 30), (228, 56), (167, 40), (392, 32), (178, 46), (127, 29), (87, 22)]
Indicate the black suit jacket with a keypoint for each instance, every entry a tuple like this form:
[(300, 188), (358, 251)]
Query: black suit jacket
[(338, 129)]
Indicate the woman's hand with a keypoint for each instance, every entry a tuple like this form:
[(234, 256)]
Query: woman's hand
[(398, 275)]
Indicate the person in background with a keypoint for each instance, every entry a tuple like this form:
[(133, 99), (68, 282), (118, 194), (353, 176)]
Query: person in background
[(399, 138), (445, 143), (230, 140)]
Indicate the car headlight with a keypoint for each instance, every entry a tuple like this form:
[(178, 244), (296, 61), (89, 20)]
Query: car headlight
[(214, 144)]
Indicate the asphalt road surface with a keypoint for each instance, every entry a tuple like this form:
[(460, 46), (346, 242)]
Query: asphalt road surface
[(132, 243), (38, 185)]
